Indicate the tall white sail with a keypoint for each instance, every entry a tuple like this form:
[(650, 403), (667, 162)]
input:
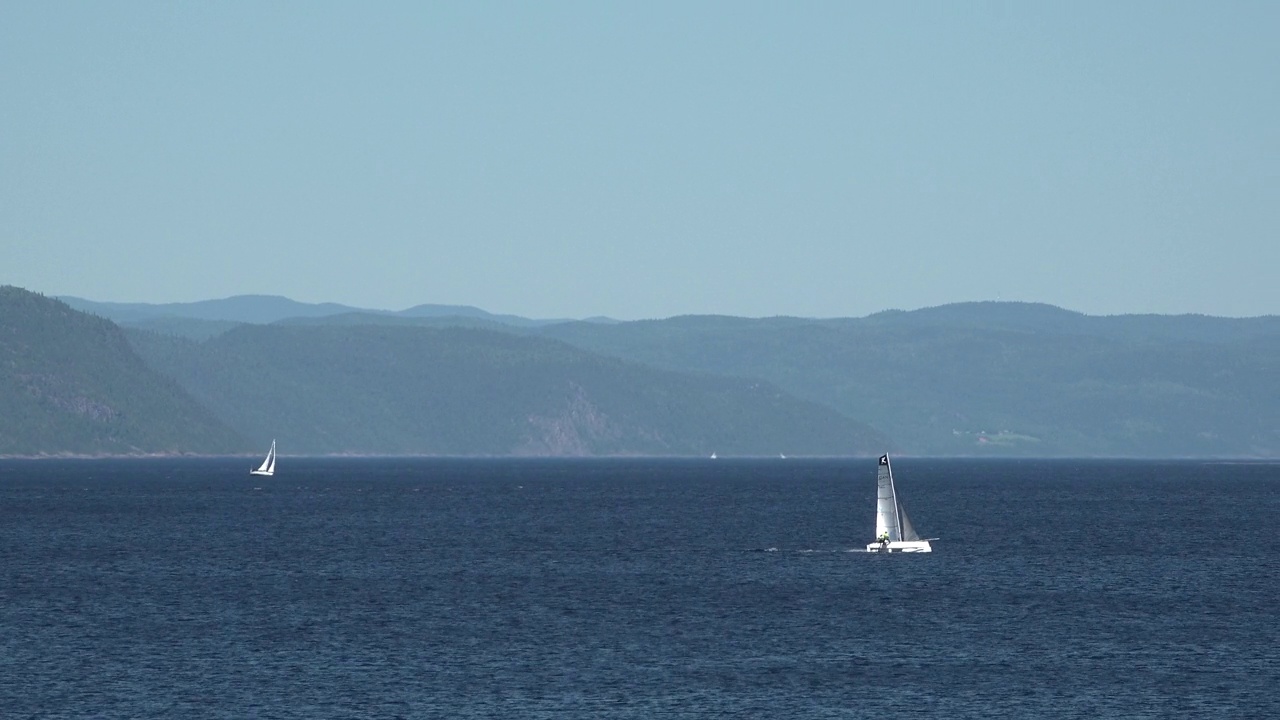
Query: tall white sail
[(268, 466), (886, 503)]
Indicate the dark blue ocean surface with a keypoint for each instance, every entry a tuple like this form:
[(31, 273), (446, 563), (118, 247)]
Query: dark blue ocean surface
[(346, 588)]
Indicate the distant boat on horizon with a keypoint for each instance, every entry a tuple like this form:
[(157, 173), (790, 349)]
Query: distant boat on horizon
[(268, 466)]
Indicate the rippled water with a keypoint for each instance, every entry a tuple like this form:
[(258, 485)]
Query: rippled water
[(636, 589)]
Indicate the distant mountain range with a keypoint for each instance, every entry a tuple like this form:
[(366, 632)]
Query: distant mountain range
[(263, 309), (998, 378), (463, 391), (1017, 379), (371, 388)]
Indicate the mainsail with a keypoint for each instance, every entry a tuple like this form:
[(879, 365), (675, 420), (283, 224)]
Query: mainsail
[(890, 516), (886, 503)]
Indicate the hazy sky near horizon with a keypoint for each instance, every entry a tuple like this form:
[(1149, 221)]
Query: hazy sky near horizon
[(645, 159)]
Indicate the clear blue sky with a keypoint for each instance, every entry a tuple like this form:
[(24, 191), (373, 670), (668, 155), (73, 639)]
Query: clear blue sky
[(646, 159)]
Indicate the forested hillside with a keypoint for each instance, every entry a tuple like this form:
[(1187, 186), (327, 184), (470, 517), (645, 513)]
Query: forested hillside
[(997, 378), (966, 379), (462, 391), (71, 384)]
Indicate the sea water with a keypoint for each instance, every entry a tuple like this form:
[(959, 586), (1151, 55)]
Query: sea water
[(633, 588)]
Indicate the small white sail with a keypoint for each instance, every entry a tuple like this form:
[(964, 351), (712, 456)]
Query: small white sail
[(268, 466)]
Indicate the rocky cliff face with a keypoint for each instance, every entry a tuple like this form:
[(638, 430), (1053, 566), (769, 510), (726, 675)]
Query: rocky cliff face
[(576, 429)]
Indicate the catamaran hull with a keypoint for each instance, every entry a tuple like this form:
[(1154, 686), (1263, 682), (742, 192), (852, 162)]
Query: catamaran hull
[(906, 546)]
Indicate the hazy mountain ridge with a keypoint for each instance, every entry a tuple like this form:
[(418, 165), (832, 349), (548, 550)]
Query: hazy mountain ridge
[(1008, 378), (374, 389), (71, 384), (968, 378), (266, 309), (1042, 318), (379, 389)]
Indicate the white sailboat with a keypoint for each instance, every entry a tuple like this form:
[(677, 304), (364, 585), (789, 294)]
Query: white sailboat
[(268, 466), (894, 532)]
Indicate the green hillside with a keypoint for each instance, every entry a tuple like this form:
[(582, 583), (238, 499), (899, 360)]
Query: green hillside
[(71, 384), (965, 379), (466, 391), (997, 378)]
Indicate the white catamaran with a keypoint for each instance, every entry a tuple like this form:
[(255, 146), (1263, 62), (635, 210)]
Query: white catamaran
[(268, 466), (893, 530)]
